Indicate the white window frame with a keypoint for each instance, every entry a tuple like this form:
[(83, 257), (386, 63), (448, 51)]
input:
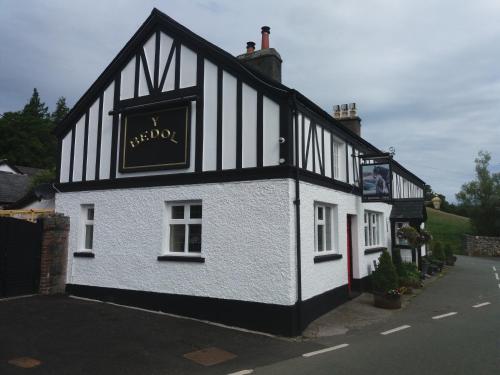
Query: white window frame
[(186, 221), (83, 231), (373, 223), (332, 209)]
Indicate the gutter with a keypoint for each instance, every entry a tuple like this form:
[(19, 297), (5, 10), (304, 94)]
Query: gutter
[(297, 215)]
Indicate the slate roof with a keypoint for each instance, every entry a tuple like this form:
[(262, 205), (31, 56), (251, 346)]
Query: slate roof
[(409, 210), (29, 170), (13, 186), (41, 192)]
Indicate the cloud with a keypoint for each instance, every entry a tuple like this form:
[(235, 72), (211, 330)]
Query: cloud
[(424, 74)]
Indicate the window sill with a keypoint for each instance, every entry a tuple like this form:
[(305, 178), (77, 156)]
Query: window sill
[(327, 257), (84, 254), (375, 250), (181, 258), (403, 246)]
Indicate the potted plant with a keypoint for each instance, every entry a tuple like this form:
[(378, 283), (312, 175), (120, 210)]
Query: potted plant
[(386, 291), (437, 259), (450, 258)]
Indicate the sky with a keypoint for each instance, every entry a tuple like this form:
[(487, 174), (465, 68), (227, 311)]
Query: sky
[(425, 74)]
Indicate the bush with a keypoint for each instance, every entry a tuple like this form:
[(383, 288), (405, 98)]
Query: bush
[(448, 252), (385, 277), (398, 262), (437, 252), (409, 275)]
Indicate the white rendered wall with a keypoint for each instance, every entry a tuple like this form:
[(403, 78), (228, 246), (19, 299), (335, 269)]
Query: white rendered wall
[(210, 117), (106, 132), (188, 67), (228, 121), (6, 168), (65, 157), (318, 278), (247, 241), (78, 154), (92, 141), (127, 80), (271, 132), (249, 126), (43, 204)]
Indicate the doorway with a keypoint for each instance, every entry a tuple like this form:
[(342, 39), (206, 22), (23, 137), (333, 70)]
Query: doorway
[(349, 253)]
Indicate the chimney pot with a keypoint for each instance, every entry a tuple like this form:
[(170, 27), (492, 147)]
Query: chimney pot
[(250, 47), (344, 112), (352, 110), (266, 61), (266, 30), (336, 109), (347, 115)]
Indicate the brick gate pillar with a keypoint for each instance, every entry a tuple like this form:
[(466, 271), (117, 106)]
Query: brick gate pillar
[(54, 254)]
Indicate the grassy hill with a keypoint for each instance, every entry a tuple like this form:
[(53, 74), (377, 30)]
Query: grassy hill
[(447, 228)]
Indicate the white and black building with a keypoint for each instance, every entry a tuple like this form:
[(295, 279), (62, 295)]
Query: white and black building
[(197, 183)]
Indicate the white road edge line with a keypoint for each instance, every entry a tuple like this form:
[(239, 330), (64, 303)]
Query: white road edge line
[(326, 350), (496, 276), (395, 330), (242, 372), (177, 316), (481, 304), (444, 315), (17, 297)]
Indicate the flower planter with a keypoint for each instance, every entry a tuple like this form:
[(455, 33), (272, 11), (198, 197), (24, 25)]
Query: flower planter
[(385, 301), (450, 261)]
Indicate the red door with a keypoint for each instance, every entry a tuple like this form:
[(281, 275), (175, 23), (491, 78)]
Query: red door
[(349, 253)]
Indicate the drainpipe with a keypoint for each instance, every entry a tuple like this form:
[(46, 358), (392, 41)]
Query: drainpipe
[(297, 214)]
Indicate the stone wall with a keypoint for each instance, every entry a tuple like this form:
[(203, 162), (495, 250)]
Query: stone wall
[(481, 245), (54, 254)]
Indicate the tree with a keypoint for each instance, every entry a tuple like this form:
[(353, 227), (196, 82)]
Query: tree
[(482, 197), (61, 110), (35, 107), (26, 136), (385, 277)]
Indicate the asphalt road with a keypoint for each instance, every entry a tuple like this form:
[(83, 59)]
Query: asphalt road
[(69, 336), (467, 342)]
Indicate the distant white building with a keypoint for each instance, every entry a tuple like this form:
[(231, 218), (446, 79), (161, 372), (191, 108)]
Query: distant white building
[(197, 183)]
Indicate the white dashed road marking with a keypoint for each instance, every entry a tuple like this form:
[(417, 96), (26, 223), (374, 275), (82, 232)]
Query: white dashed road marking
[(444, 315), (494, 268), (496, 276), (395, 330), (242, 372), (306, 355), (481, 304)]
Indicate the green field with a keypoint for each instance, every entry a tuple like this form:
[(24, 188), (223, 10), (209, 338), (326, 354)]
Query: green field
[(447, 228)]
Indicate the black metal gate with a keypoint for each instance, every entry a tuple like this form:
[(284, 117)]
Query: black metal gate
[(20, 249)]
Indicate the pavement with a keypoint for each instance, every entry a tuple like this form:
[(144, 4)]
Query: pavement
[(62, 335), (359, 313)]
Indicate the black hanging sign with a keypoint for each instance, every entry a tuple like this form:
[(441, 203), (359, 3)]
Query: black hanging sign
[(376, 182), (376, 177), (155, 140)]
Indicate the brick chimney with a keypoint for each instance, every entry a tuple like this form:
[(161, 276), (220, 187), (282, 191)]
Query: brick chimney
[(266, 60), (347, 115)]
